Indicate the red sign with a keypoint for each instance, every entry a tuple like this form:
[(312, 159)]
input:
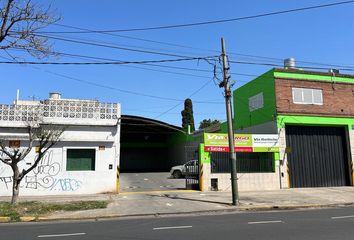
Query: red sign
[(226, 149), (216, 149), (243, 149)]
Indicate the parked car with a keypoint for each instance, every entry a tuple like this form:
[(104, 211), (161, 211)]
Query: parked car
[(191, 167)]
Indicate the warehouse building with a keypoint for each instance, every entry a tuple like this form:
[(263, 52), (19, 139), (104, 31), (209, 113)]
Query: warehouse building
[(313, 115)]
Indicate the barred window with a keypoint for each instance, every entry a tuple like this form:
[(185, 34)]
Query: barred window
[(80, 159), (246, 162), (255, 102), (307, 96)]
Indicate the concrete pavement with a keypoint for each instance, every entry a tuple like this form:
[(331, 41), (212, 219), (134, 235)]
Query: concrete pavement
[(156, 203)]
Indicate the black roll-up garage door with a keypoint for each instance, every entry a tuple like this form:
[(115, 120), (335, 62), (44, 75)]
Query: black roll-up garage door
[(318, 156)]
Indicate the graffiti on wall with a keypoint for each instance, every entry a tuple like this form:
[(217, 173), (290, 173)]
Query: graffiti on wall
[(43, 177), (7, 181)]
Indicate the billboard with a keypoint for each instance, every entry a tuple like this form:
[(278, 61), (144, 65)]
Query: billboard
[(219, 142)]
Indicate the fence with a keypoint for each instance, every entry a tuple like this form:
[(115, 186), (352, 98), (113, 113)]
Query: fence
[(60, 109)]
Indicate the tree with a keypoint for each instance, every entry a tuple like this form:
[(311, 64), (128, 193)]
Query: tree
[(19, 22), (207, 123), (44, 137), (187, 115)]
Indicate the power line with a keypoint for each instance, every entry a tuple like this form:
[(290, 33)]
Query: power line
[(110, 46), (104, 63), (348, 68), (124, 91), (159, 61), (195, 92), (151, 41), (122, 45), (185, 46), (127, 37), (144, 68), (214, 21), (148, 64), (118, 89)]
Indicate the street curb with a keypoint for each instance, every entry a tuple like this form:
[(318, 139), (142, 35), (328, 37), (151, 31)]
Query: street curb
[(5, 219), (230, 210), (226, 210), (293, 207), (28, 219), (23, 219)]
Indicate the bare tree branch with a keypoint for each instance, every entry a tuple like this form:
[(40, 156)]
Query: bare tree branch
[(4, 16), (20, 19), (46, 136), (7, 153), (30, 144)]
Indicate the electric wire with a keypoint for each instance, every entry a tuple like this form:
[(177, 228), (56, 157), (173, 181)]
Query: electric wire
[(103, 63), (80, 56), (114, 88), (188, 47), (195, 92), (109, 32), (110, 46), (218, 21), (120, 44), (163, 61), (122, 90)]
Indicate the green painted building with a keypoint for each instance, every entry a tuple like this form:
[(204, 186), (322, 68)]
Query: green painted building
[(313, 115)]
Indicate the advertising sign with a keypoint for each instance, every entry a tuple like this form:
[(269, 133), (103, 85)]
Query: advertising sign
[(219, 142)]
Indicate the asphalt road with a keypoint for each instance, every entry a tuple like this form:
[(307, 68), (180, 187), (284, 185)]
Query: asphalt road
[(155, 181), (321, 224)]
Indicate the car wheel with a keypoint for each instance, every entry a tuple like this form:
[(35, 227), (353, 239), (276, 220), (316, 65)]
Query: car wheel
[(177, 174)]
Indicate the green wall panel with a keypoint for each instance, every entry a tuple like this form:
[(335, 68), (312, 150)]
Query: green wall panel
[(313, 120), (242, 116), (312, 77)]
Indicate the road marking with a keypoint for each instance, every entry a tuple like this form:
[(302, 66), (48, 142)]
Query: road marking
[(265, 222), (61, 235), (169, 204), (175, 227), (341, 217)]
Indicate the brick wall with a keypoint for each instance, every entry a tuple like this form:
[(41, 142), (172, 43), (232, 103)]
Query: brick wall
[(338, 98)]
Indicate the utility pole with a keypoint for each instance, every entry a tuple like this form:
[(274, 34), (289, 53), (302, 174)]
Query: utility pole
[(226, 84)]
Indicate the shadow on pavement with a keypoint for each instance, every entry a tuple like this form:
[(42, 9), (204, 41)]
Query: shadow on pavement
[(189, 199)]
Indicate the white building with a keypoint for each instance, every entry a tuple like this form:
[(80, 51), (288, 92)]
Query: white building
[(86, 159)]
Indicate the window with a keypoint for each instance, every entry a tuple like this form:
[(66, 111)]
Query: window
[(255, 102), (80, 159), (246, 162), (307, 96), (14, 143)]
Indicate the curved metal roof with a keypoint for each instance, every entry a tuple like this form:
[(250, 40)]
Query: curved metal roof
[(138, 121)]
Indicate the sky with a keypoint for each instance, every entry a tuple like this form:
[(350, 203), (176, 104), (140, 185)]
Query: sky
[(322, 36)]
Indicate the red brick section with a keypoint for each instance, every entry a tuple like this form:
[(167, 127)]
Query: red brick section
[(338, 98)]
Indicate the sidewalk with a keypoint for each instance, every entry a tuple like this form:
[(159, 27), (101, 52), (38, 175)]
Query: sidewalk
[(187, 202)]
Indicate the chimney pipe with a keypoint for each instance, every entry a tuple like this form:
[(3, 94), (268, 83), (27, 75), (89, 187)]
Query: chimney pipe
[(289, 63)]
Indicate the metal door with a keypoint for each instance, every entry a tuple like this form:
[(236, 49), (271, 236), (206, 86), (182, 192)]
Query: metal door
[(318, 156), (192, 175)]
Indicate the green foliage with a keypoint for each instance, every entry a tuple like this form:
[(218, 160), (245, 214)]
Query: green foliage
[(34, 208), (187, 115), (9, 210), (207, 123)]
